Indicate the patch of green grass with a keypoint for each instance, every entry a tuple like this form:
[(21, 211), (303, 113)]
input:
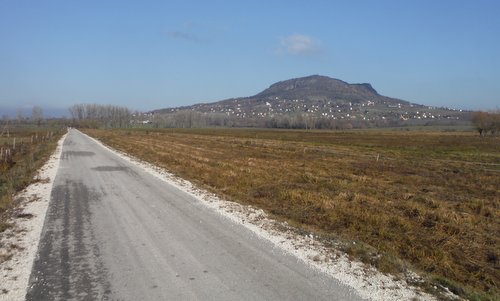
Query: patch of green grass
[(4, 226)]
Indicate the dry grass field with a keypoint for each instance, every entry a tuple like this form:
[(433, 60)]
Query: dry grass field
[(429, 201), (23, 150)]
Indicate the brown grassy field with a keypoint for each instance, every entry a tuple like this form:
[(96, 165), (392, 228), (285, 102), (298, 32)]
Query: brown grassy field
[(425, 201), (23, 150)]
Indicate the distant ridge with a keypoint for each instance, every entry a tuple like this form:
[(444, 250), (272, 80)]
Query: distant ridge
[(317, 87), (307, 90), (318, 96)]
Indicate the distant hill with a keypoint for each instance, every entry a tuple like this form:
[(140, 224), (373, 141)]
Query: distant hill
[(322, 88), (319, 96)]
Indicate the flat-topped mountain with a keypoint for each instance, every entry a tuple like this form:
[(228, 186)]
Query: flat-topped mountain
[(317, 88)]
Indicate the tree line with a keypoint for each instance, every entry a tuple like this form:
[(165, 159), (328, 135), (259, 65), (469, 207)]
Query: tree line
[(111, 116), (95, 115), (194, 119), (487, 123)]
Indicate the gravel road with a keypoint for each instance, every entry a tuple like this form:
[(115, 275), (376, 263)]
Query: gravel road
[(115, 232)]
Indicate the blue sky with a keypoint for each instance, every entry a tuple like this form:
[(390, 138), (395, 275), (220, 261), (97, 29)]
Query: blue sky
[(155, 54)]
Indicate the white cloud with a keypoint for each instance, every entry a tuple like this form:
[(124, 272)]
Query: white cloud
[(298, 44), (183, 35), (193, 32)]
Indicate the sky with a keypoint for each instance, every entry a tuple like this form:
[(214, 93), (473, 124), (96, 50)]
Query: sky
[(156, 54)]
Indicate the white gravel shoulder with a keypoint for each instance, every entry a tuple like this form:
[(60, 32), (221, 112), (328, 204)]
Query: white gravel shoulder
[(369, 283), (19, 243)]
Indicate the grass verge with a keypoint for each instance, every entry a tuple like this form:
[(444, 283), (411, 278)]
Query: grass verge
[(24, 150)]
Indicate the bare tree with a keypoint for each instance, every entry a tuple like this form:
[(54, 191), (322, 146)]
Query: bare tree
[(37, 115), (101, 115), (482, 121), (496, 122)]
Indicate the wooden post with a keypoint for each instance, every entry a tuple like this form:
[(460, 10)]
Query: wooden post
[(14, 144)]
